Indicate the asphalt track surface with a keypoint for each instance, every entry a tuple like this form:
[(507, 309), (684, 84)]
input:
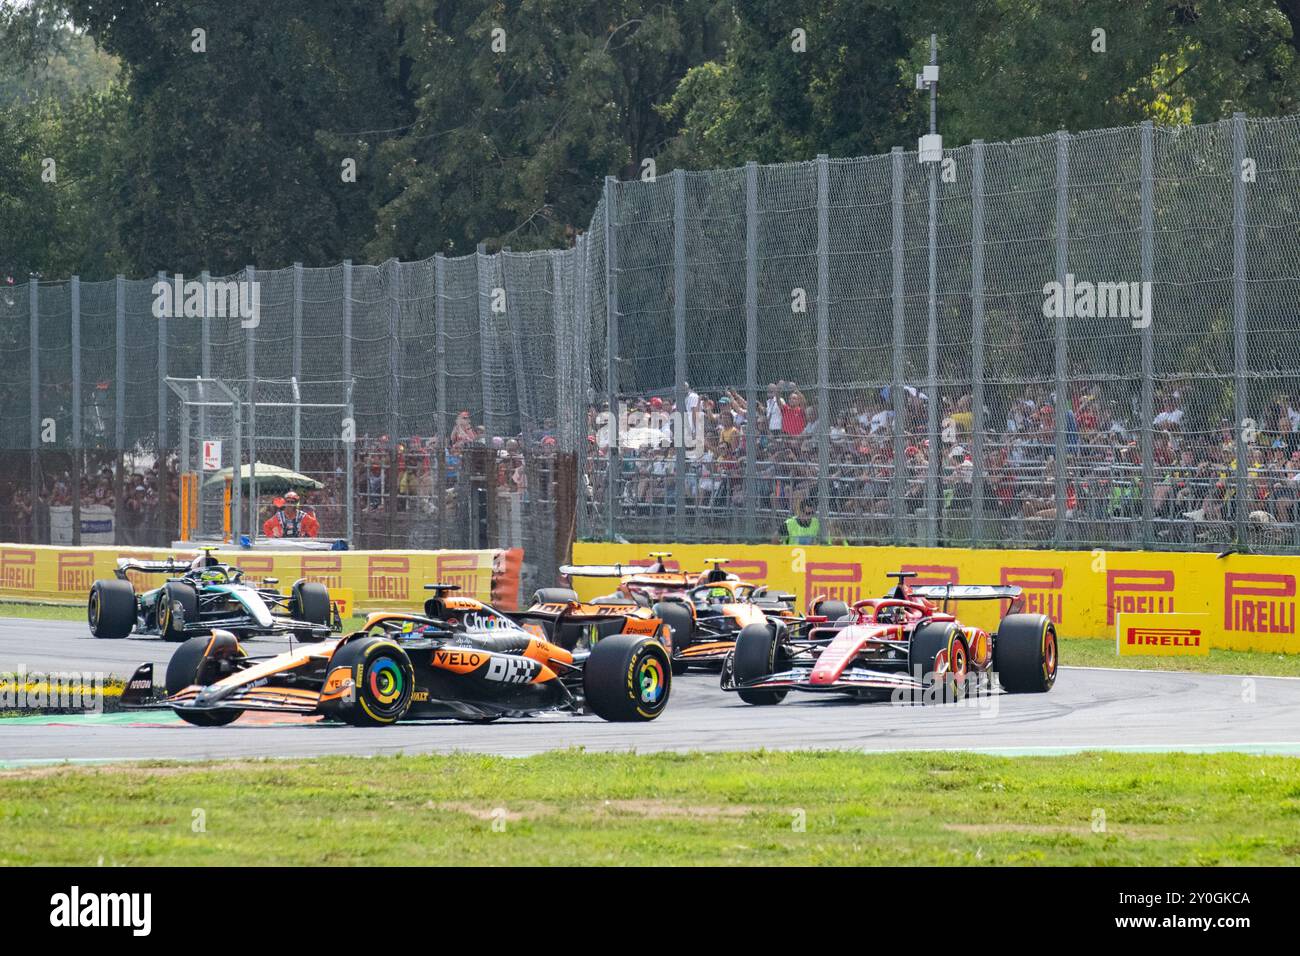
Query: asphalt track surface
[(1089, 709)]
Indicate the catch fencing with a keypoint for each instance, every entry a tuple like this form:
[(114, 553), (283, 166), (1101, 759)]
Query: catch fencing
[(960, 409)]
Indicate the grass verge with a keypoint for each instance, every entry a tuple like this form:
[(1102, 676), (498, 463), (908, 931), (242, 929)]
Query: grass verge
[(1089, 652), (571, 807)]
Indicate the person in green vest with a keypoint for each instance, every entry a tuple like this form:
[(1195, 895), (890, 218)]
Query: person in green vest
[(802, 527)]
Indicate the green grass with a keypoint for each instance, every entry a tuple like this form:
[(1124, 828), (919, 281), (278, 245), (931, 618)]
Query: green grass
[(1089, 652), (43, 612), (570, 807)]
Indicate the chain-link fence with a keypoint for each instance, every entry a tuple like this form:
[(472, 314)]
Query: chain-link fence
[(1103, 354), (1108, 356)]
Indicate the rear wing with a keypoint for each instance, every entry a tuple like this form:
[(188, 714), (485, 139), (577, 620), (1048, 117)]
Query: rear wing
[(150, 567), (967, 592), (637, 574), (598, 570)]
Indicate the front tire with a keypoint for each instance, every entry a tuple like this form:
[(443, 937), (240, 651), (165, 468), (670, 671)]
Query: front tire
[(200, 661), (310, 602), (171, 624), (1025, 653), (111, 609), (759, 653), (383, 682), (680, 627), (939, 657), (627, 678)]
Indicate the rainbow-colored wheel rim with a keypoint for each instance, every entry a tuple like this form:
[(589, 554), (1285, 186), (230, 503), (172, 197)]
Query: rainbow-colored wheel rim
[(386, 681), (651, 680)]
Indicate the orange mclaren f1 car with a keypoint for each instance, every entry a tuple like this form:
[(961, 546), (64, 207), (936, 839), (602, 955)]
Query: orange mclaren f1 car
[(460, 659), (907, 642), (705, 610)]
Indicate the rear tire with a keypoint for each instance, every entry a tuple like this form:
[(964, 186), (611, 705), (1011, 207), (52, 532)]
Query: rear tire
[(627, 678), (680, 627), (1025, 653), (111, 609), (176, 593), (939, 645), (383, 682), (554, 595), (310, 601), (832, 610), (758, 653), (198, 661)]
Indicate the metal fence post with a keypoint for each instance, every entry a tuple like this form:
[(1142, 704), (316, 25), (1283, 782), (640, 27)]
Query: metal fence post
[(205, 359), (611, 357), (34, 385), (1061, 400), (163, 324), (297, 365), (250, 360), (1148, 338), (934, 458), (77, 460), (684, 427), (977, 341), (823, 342), (1239, 364), (440, 386), (119, 400), (896, 395), (393, 268), (350, 424), (751, 348)]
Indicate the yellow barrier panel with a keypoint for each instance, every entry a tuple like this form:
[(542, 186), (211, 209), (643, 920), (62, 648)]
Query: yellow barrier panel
[(388, 579), (1250, 600), (1161, 635)]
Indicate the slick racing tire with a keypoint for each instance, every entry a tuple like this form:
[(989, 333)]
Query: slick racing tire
[(310, 601), (171, 625), (199, 661), (383, 683), (1025, 653), (627, 678), (759, 653), (554, 595), (938, 655), (111, 609), (680, 625), (831, 610)]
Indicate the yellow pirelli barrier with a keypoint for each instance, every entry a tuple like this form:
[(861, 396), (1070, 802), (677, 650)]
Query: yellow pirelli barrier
[(1162, 635), (1248, 601), (390, 579)]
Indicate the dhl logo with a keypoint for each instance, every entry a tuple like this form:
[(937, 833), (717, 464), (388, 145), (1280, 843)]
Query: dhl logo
[(1041, 589), (1138, 592), (1259, 603), (838, 582), (323, 569), (76, 571), (389, 578), (18, 569)]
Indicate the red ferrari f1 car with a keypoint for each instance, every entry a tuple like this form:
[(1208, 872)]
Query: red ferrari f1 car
[(907, 641)]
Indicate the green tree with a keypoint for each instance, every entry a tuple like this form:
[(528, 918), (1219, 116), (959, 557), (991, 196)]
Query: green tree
[(522, 110)]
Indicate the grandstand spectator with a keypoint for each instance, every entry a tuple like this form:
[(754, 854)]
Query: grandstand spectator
[(291, 522)]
